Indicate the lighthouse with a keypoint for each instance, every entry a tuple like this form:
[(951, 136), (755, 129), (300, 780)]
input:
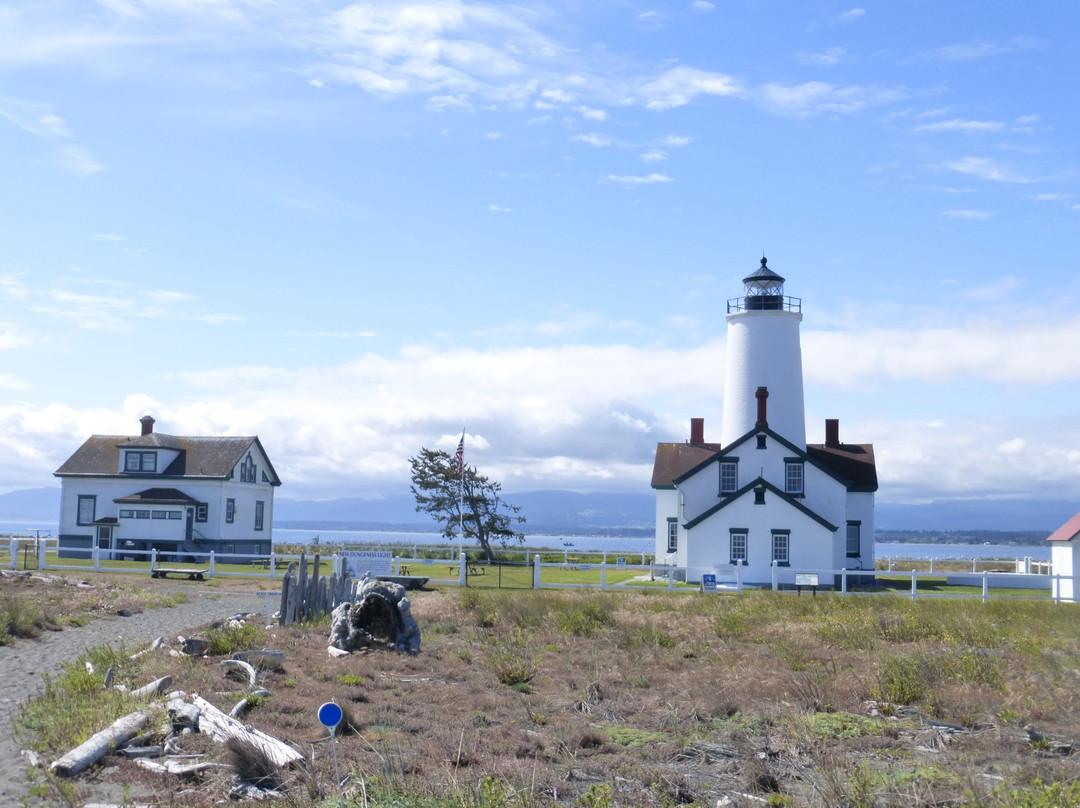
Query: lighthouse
[(763, 351), (762, 506)]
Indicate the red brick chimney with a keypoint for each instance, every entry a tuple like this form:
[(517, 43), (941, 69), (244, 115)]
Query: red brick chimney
[(697, 431), (832, 432), (147, 424), (761, 394)]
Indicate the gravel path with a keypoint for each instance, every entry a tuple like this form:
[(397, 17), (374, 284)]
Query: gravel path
[(22, 664)]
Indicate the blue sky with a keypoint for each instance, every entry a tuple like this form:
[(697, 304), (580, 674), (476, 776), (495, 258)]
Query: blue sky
[(354, 229)]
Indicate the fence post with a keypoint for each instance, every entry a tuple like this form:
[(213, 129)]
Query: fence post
[(603, 573), (273, 559), (775, 582), (536, 571), (213, 560), (1057, 588), (931, 564), (463, 570), (95, 553), (42, 547), (914, 585), (671, 578), (738, 577), (153, 559), (843, 581), (973, 564), (986, 586), (890, 563), (14, 550)]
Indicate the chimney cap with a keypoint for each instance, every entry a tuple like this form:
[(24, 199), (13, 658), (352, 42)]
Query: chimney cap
[(147, 422)]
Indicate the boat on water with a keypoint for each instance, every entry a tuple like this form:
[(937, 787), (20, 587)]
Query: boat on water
[(567, 544)]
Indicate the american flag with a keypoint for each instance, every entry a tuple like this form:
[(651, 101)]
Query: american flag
[(460, 453)]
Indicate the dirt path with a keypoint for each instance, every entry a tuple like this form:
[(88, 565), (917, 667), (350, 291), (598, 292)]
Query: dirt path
[(22, 664)]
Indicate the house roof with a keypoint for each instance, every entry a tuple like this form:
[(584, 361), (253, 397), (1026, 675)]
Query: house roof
[(204, 457), (746, 489), (1068, 531), (849, 463), (673, 460), (159, 496), (853, 462)]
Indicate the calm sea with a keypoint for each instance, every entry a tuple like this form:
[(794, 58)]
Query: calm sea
[(611, 544)]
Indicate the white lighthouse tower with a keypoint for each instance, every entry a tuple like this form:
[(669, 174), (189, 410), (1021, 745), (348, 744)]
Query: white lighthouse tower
[(763, 351)]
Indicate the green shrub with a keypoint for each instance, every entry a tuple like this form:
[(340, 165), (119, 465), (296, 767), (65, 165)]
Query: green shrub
[(235, 637), (902, 680)]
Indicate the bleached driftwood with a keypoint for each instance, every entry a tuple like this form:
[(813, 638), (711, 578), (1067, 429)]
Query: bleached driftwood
[(91, 751), (232, 666), (182, 715), (221, 728), (153, 646), (178, 768), (156, 686)]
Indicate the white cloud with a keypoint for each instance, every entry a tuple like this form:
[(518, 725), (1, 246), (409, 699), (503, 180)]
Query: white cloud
[(675, 141), (653, 157), (958, 125), (78, 161), (971, 215), (1013, 448), (701, 5), (630, 180), (497, 209), (594, 139), (593, 114), (852, 15), (111, 237), (987, 169), (817, 97), (9, 382), (680, 85), (494, 135), (827, 58)]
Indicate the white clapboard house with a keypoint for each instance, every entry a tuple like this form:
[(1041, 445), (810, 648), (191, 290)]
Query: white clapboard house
[(173, 493), (762, 499)]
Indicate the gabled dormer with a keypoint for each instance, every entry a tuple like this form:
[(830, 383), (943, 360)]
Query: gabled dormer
[(150, 453)]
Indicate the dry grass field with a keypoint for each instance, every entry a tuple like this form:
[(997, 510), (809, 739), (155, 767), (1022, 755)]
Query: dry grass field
[(583, 698)]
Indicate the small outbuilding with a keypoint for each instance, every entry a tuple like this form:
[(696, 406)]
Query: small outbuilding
[(1064, 558)]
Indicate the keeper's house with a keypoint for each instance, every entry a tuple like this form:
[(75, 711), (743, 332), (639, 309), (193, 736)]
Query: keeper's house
[(176, 494)]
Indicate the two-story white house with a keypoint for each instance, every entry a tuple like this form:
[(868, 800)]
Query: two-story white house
[(176, 494), (763, 500)]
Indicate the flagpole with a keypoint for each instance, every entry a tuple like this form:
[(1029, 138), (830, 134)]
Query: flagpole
[(461, 490)]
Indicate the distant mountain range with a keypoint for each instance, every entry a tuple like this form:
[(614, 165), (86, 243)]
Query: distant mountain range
[(561, 512)]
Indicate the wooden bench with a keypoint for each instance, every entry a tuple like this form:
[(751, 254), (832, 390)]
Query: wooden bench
[(165, 572), (261, 562)]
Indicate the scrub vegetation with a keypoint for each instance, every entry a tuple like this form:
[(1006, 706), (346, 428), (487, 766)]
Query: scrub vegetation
[(594, 699)]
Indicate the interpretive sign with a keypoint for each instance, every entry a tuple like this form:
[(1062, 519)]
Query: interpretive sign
[(708, 582), (377, 562), (621, 561), (806, 579)]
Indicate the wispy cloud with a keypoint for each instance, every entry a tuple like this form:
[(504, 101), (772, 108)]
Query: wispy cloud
[(973, 215), (827, 58), (852, 15), (979, 49), (631, 180), (653, 156), (957, 125), (594, 139), (986, 169), (39, 121), (818, 98), (681, 85), (498, 209)]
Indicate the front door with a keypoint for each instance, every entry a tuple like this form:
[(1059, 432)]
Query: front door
[(104, 539), (189, 526)]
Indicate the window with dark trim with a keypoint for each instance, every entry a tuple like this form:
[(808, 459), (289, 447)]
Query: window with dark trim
[(259, 514), (247, 470), (729, 476), (854, 539), (145, 462), (738, 546), (761, 442), (793, 477), (230, 510), (672, 535), (759, 495), (127, 513), (202, 512), (87, 509), (781, 547)]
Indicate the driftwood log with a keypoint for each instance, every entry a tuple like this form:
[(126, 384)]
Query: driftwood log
[(91, 751), (221, 728)]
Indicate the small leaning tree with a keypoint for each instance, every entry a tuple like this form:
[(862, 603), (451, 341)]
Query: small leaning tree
[(471, 502)]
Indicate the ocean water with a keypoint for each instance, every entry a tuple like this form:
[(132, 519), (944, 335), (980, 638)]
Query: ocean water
[(610, 544)]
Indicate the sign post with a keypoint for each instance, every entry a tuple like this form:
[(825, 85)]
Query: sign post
[(330, 716)]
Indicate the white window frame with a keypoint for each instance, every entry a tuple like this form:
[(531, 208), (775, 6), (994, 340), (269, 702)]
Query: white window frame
[(729, 473), (738, 541), (140, 462), (854, 529), (781, 547), (259, 510), (230, 510), (672, 535), (794, 478), (86, 501)]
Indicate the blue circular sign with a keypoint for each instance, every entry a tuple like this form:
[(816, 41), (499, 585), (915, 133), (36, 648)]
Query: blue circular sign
[(330, 715)]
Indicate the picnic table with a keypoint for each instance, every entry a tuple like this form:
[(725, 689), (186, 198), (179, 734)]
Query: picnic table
[(261, 562), (165, 572)]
